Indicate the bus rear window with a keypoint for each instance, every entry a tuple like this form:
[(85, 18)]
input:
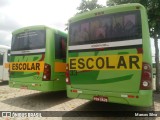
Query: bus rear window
[(108, 28), (29, 40)]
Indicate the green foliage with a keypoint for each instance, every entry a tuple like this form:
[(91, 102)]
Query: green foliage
[(154, 17), (87, 5), (117, 2)]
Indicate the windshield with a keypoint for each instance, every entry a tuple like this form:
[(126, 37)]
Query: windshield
[(29, 40), (107, 28)]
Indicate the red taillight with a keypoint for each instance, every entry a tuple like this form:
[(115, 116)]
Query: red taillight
[(146, 78), (139, 50), (47, 72), (131, 96), (67, 75), (74, 91)]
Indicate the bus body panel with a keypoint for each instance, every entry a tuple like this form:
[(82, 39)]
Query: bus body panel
[(105, 80), (1, 71), (5, 66), (142, 98), (25, 76), (40, 86), (102, 71), (4, 58), (28, 66)]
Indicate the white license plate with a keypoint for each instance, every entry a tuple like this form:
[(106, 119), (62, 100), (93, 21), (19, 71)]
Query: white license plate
[(100, 98)]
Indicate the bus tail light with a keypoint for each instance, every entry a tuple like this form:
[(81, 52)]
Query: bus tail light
[(67, 75), (47, 72), (146, 78)]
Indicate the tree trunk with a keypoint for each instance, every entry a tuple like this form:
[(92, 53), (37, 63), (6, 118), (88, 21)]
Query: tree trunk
[(157, 63)]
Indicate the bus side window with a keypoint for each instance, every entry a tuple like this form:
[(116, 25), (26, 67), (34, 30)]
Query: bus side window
[(1, 59), (63, 45), (8, 55), (60, 47)]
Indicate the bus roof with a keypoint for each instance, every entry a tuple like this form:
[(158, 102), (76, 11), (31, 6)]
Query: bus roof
[(4, 47), (106, 10), (34, 27)]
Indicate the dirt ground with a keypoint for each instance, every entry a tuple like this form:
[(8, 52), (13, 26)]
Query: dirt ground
[(12, 99)]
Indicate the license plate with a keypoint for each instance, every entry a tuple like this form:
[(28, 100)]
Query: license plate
[(100, 98)]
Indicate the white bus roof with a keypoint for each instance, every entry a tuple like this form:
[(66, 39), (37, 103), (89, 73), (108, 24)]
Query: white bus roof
[(4, 47)]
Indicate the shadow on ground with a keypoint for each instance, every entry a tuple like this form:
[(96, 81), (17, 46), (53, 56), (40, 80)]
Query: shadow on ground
[(38, 101), (106, 111), (157, 97), (3, 83)]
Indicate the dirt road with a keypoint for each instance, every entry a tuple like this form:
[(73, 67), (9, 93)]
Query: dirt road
[(12, 99)]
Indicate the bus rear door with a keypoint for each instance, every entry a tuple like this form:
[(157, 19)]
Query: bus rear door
[(60, 61)]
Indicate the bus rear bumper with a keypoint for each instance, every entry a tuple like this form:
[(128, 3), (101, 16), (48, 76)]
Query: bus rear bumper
[(44, 86), (142, 98)]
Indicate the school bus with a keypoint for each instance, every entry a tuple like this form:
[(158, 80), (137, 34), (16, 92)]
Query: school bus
[(4, 59), (38, 59), (109, 56)]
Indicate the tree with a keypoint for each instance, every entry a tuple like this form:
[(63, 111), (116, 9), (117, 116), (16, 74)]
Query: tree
[(87, 5), (153, 10)]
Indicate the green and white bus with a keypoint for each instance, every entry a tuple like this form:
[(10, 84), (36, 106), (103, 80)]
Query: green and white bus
[(4, 60), (109, 56), (38, 59)]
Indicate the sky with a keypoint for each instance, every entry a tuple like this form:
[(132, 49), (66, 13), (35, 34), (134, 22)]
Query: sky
[(15, 14)]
